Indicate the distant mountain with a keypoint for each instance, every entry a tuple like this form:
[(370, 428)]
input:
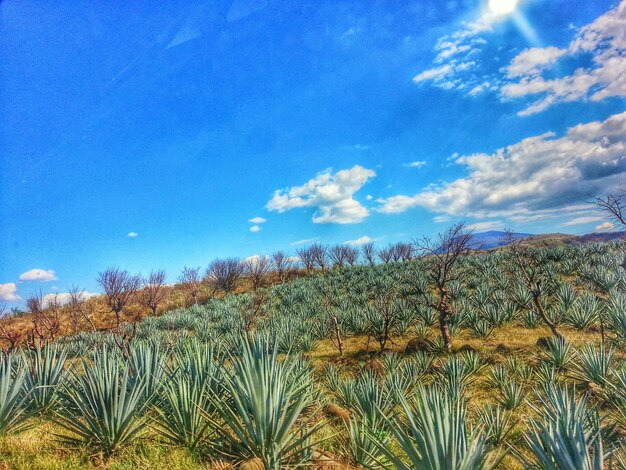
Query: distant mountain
[(599, 237), (495, 238)]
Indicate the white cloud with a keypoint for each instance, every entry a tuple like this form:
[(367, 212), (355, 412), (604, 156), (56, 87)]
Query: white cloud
[(582, 220), (330, 193), (359, 241), (133, 234), (457, 65), (416, 164), (456, 59), (532, 61), (38, 275), (486, 226), (64, 297), (8, 292), (255, 228), (257, 220), (605, 226), (604, 39), (542, 173), (304, 242)]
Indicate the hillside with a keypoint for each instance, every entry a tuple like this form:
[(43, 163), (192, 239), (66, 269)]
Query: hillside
[(358, 346)]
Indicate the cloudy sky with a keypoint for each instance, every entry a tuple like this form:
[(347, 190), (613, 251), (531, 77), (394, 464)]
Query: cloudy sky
[(164, 134)]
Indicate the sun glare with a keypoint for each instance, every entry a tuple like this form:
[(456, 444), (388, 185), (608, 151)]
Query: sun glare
[(502, 7)]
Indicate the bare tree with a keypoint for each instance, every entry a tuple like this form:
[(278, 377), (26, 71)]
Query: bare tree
[(403, 251), (192, 282), (319, 253), (119, 289), (281, 264), (256, 268), (533, 278), (252, 309), (351, 255), (153, 292), (383, 316), (44, 315), (441, 258), (307, 257), (337, 255), (78, 309), (385, 255), (224, 273), (14, 338), (613, 206), (369, 253)]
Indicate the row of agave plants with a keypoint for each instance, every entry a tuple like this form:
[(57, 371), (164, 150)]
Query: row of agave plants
[(584, 288), (252, 404)]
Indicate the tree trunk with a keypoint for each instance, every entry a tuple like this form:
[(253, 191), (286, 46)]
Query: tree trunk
[(338, 335), (544, 317), (444, 327), (444, 319)]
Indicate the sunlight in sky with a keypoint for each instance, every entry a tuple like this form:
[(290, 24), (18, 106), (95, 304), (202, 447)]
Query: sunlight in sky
[(502, 7)]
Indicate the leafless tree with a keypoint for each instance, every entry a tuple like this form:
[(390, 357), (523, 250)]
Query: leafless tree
[(369, 253), (78, 309), (13, 338), (120, 288), (614, 207), (256, 268), (383, 316), (281, 263), (44, 315), (253, 309), (385, 255), (192, 282), (337, 255), (154, 291), (351, 255), (307, 257), (529, 268), (320, 254), (441, 257), (403, 251), (224, 273)]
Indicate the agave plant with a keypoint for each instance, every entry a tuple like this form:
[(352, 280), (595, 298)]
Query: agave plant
[(434, 435), (567, 438), (14, 396), (146, 365), (45, 374), (559, 353), (363, 447), (182, 411), (511, 394), (584, 312), (497, 424), (102, 407), (264, 409), (594, 364)]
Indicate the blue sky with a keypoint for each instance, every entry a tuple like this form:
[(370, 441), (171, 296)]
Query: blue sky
[(180, 122)]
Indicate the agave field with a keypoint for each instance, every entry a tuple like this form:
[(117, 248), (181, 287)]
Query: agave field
[(346, 368)]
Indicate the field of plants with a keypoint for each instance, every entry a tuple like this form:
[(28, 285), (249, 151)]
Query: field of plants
[(514, 359)]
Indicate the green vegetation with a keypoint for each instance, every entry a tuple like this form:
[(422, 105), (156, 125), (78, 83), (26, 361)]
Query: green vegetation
[(348, 367)]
